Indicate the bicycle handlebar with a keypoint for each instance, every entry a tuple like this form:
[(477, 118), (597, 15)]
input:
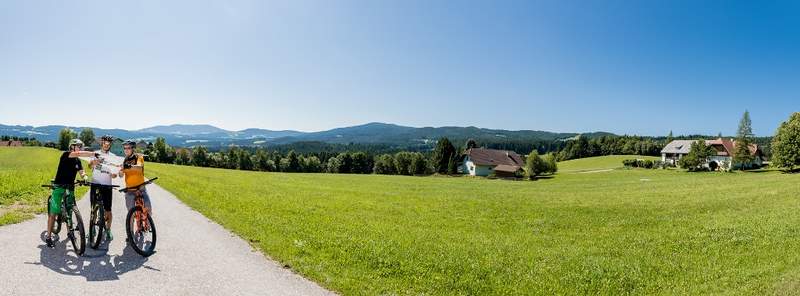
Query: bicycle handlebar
[(140, 185), (112, 186), (78, 183)]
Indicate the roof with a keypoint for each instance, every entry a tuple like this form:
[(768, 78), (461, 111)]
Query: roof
[(507, 168), (678, 147), (724, 147), (483, 156)]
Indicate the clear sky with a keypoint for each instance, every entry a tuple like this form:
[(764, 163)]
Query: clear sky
[(635, 67)]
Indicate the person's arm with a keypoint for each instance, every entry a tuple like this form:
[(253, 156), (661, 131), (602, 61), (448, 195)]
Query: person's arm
[(93, 162), (139, 166), (82, 154)]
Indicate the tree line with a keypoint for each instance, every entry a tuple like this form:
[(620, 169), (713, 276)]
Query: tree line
[(443, 160), (582, 147)]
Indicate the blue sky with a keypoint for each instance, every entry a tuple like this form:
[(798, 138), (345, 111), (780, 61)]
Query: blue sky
[(635, 67)]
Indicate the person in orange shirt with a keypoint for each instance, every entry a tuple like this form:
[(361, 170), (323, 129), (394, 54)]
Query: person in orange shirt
[(133, 171)]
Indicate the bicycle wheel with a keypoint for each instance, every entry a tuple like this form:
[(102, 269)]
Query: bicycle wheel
[(76, 233), (57, 223), (141, 232), (97, 223)]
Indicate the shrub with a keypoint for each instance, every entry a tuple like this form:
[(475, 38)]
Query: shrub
[(534, 165), (629, 163), (642, 163)]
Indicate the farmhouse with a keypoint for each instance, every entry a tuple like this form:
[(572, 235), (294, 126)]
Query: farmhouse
[(10, 144), (483, 162), (725, 148)]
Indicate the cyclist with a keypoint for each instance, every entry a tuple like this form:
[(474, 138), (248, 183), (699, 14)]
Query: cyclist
[(68, 166), (101, 179), (133, 170)]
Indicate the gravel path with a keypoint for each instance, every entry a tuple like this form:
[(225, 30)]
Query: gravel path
[(194, 256)]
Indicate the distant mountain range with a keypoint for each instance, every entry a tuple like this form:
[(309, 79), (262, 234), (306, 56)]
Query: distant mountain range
[(187, 135)]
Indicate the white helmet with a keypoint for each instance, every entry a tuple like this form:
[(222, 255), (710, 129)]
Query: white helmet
[(74, 142)]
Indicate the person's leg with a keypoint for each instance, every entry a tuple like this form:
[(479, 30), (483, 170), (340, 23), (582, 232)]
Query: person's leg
[(106, 194), (70, 199), (146, 198), (50, 221), (92, 195), (54, 209), (129, 198)]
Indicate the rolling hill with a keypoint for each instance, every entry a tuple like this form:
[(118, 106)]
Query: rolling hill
[(184, 135)]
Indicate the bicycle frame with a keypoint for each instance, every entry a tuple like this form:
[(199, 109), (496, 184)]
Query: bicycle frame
[(138, 201), (141, 218)]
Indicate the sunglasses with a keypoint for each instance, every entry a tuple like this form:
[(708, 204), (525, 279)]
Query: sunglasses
[(128, 148)]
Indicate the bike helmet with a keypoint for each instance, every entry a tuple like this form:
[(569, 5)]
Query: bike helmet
[(74, 142), (131, 143), (107, 138)]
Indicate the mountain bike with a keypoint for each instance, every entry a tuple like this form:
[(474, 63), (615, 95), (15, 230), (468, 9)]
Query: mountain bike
[(139, 224), (70, 216), (97, 218)]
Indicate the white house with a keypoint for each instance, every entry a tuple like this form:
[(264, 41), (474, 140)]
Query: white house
[(483, 162), (725, 148), (675, 150)]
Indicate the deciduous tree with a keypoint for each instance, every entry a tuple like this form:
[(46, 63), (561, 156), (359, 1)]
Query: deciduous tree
[(87, 136), (786, 144)]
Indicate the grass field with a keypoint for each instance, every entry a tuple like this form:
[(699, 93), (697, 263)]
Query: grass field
[(614, 232), (599, 163), (22, 170)]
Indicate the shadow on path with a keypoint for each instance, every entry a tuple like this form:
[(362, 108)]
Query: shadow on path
[(94, 265)]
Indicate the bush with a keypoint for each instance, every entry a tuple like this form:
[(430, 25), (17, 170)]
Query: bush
[(550, 161), (642, 163), (630, 163), (534, 165)]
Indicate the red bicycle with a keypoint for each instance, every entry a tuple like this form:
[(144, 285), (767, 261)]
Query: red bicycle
[(139, 224)]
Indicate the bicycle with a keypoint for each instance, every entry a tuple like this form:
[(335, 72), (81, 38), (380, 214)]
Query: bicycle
[(97, 218), (139, 224), (66, 217)]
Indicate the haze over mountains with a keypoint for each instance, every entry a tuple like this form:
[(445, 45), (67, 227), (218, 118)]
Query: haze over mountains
[(184, 135)]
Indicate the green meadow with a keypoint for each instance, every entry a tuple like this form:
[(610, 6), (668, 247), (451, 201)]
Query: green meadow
[(616, 231), (599, 163), (22, 171), (623, 231)]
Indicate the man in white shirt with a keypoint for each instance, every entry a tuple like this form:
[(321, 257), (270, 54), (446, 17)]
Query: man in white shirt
[(101, 179)]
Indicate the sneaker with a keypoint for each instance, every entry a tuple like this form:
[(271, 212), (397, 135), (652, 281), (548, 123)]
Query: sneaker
[(109, 236), (49, 242)]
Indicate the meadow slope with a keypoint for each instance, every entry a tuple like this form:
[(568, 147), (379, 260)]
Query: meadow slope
[(621, 231), (598, 163)]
